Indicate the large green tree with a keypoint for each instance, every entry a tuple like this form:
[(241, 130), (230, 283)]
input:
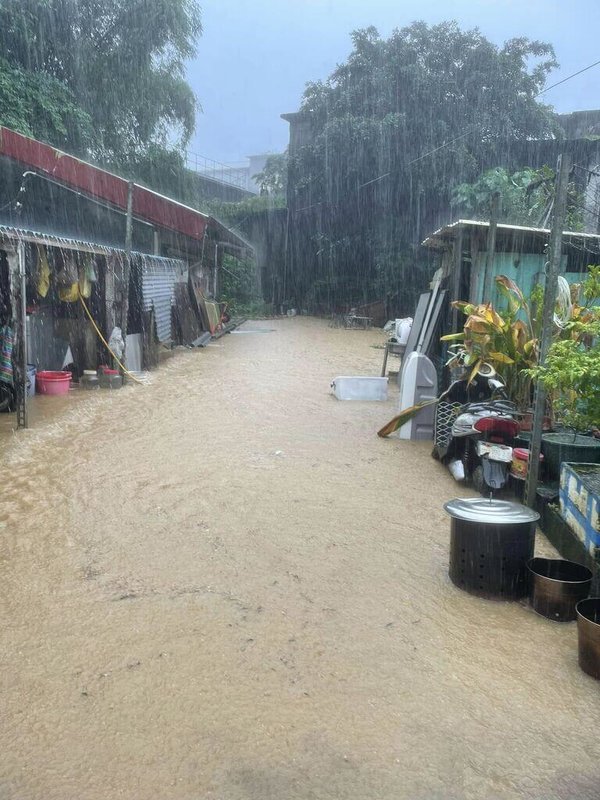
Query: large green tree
[(373, 176), (121, 63), (37, 104), (526, 197)]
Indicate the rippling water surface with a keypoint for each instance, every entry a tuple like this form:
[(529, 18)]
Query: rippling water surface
[(223, 585)]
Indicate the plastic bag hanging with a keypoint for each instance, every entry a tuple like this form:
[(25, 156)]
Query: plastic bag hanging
[(90, 268), (43, 272), (85, 285)]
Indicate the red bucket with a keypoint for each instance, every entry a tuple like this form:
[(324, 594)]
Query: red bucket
[(48, 382)]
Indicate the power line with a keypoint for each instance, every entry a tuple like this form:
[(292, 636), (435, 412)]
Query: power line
[(589, 171), (568, 78)]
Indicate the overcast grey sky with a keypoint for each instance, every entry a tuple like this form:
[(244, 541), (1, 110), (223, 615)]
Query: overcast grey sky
[(256, 55)]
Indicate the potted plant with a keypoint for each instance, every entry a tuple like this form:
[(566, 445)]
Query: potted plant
[(571, 376), (506, 339)]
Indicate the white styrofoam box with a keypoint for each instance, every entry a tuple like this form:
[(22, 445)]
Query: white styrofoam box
[(360, 388)]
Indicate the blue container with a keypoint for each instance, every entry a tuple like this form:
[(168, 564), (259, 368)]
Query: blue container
[(31, 372), (580, 503)]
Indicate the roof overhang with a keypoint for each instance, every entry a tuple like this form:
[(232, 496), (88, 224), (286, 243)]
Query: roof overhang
[(148, 205), (442, 238)]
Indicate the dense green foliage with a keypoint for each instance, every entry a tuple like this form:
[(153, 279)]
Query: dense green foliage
[(239, 288), (372, 178), (526, 197), (571, 372), (39, 105), (119, 64)]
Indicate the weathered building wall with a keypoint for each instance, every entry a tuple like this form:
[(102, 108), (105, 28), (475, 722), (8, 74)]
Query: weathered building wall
[(267, 233)]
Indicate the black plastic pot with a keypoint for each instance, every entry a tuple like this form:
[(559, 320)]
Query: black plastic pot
[(557, 586), (588, 635), (559, 447), (491, 542)]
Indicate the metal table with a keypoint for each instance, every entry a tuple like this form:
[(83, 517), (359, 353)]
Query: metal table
[(395, 349)]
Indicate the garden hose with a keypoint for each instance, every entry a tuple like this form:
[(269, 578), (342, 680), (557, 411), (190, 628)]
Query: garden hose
[(106, 344)]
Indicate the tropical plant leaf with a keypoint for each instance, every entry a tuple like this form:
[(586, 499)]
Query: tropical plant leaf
[(464, 306), (453, 337), (475, 370), (507, 285), (403, 417), (501, 358)]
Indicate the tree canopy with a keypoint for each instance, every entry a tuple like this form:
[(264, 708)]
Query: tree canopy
[(272, 179), (526, 197), (374, 174), (119, 66)]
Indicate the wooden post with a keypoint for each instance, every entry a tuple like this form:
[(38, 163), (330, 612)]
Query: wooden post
[(550, 292), (216, 273), (475, 268), (491, 248), (126, 269), (457, 276), (129, 218)]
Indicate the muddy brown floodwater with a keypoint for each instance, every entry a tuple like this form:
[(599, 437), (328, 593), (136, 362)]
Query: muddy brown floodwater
[(224, 585)]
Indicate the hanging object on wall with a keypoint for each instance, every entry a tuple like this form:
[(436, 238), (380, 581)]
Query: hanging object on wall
[(7, 343), (43, 272), (84, 284), (67, 273), (69, 294)]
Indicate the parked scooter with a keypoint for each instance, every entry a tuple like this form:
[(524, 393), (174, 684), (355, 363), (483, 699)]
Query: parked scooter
[(487, 431), (475, 438)]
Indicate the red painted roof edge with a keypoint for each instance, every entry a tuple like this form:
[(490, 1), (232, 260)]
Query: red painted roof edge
[(97, 182)]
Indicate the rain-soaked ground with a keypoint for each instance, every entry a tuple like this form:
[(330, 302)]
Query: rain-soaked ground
[(224, 585)]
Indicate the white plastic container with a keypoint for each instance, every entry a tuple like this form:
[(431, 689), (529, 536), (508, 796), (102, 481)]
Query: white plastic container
[(360, 388)]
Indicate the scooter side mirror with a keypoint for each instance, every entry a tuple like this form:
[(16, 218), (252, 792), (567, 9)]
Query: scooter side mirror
[(497, 388)]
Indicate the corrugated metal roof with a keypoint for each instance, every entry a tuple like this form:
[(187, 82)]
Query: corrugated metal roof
[(97, 182), (49, 239), (447, 232), (158, 290)]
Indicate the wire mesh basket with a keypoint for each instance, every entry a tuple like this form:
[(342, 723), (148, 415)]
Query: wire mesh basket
[(445, 414)]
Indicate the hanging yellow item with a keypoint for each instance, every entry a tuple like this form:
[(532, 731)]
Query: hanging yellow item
[(69, 294), (43, 272), (85, 285)]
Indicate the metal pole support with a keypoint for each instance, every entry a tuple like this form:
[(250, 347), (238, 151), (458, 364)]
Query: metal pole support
[(550, 292), (21, 316)]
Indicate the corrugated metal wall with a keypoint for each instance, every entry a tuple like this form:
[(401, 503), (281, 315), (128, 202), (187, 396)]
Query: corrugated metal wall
[(158, 290)]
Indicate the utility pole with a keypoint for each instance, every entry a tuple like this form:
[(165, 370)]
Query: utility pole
[(550, 292), (491, 248), (126, 271)]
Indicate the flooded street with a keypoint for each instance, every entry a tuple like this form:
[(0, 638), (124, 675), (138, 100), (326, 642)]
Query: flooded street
[(224, 585)]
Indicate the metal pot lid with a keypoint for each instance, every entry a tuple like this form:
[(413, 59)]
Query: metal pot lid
[(492, 512)]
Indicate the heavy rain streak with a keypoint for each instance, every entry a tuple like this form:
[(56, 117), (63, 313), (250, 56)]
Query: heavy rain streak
[(299, 400)]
